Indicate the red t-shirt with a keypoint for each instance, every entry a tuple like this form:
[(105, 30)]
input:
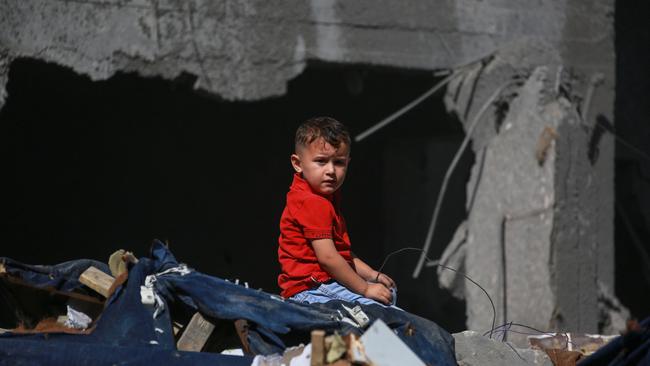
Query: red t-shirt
[(306, 217)]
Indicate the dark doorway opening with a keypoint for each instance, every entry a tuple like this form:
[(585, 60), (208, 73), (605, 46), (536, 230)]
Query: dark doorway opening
[(97, 166), (632, 122)]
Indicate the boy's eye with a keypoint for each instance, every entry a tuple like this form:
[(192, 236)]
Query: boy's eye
[(339, 162)]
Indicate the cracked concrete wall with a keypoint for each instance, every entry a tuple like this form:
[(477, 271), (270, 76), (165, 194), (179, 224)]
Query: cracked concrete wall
[(535, 201), (511, 216), (250, 49)]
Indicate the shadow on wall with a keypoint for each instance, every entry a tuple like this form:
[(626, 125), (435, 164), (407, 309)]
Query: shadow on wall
[(97, 166)]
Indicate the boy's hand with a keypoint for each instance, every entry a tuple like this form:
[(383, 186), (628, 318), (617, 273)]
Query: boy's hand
[(379, 292), (385, 280)]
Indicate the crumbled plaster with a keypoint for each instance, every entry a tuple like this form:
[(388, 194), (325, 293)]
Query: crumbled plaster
[(513, 184), (530, 239), (250, 49)]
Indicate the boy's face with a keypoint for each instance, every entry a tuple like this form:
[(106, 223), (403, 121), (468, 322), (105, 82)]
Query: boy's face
[(322, 165)]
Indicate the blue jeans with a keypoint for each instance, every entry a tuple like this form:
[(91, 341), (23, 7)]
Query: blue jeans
[(333, 290)]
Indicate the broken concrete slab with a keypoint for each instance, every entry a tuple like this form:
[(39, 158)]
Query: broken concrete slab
[(250, 49), (472, 349), (513, 185), (532, 204)]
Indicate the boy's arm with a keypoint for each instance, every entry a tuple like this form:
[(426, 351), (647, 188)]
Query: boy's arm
[(366, 272), (340, 270)]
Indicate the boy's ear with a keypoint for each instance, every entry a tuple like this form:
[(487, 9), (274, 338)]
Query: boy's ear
[(295, 163)]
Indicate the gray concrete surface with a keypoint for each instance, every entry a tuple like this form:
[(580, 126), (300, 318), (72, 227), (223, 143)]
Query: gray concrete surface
[(473, 349), (513, 184), (250, 49), (531, 238)]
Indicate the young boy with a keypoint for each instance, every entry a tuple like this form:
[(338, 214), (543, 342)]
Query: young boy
[(315, 256)]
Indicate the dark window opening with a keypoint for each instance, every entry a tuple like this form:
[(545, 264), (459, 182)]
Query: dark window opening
[(632, 124), (97, 166)]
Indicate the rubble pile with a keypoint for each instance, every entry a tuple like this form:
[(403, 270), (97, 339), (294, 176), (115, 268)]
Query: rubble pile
[(159, 310), (155, 309)]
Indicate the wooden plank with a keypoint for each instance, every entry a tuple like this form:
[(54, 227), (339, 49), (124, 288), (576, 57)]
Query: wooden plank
[(97, 280), (317, 347), (356, 352), (195, 335)]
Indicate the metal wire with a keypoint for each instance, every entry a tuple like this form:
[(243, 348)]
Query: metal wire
[(437, 263)]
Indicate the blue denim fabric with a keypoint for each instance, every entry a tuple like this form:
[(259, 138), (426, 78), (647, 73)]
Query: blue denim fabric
[(333, 290), (274, 323), (63, 276), (27, 352), (124, 321)]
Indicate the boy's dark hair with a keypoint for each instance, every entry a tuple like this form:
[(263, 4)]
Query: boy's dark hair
[(332, 131)]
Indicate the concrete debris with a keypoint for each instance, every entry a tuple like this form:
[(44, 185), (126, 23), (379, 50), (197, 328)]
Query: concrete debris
[(472, 349), (512, 261), (533, 237), (585, 344), (613, 315)]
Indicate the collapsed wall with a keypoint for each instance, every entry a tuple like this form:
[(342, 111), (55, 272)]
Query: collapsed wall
[(539, 231), (536, 202)]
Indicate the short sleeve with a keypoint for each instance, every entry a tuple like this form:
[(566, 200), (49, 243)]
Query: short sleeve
[(316, 217)]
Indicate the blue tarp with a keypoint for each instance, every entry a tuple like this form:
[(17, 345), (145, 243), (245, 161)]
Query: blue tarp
[(127, 332)]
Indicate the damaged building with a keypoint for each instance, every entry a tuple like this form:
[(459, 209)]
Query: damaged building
[(504, 140)]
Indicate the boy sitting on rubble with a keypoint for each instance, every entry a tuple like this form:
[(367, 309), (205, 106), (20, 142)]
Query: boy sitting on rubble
[(315, 256)]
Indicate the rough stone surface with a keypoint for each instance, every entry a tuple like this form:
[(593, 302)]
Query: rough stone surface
[(513, 184), (472, 349), (530, 239), (250, 49)]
